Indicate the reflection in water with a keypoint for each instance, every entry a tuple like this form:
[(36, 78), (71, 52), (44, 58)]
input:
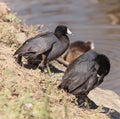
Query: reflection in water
[(94, 20), (113, 11), (114, 15)]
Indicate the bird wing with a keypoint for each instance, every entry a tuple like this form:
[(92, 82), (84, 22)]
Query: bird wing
[(80, 74), (36, 44)]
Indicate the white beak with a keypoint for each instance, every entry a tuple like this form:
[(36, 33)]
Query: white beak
[(92, 46), (68, 31)]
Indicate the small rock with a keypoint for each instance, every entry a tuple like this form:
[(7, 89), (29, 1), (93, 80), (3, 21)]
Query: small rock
[(29, 105), (21, 37), (4, 10), (107, 98)]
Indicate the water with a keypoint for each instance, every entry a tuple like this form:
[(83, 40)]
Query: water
[(87, 19)]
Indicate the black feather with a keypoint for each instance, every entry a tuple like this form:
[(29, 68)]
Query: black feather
[(85, 73), (52, 45)]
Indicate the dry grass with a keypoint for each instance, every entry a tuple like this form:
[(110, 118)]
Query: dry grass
[(9, 31)]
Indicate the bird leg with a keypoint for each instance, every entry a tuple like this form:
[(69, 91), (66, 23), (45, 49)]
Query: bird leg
[(42, 61), (19, 60), (90, 104), (48, 69), (42, 64), (81, 100), (87, 103)]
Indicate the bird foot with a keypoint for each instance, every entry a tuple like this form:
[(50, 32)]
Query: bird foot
[(87, 103)]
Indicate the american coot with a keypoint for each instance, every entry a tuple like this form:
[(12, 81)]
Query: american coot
[(42, 49), (84, 74), (76, 49)]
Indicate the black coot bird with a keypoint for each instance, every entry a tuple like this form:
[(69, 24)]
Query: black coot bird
[(42, 49), (84, 74)]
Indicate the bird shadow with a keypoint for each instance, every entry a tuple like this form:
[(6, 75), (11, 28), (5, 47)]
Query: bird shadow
[(111, 113), (30, 66), (55, 70), (34, 67)]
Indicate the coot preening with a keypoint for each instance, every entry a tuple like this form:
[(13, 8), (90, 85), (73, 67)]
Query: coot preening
[(42, 49), (76, 49), (84, 74)]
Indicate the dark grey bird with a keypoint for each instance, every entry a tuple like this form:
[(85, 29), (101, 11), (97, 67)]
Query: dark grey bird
[(45, 48), (84, 74)]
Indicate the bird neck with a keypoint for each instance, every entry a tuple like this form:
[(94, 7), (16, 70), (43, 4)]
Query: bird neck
[(58, 35)]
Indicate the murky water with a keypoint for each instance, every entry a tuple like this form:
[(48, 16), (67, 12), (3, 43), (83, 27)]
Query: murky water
[(88, 20)]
